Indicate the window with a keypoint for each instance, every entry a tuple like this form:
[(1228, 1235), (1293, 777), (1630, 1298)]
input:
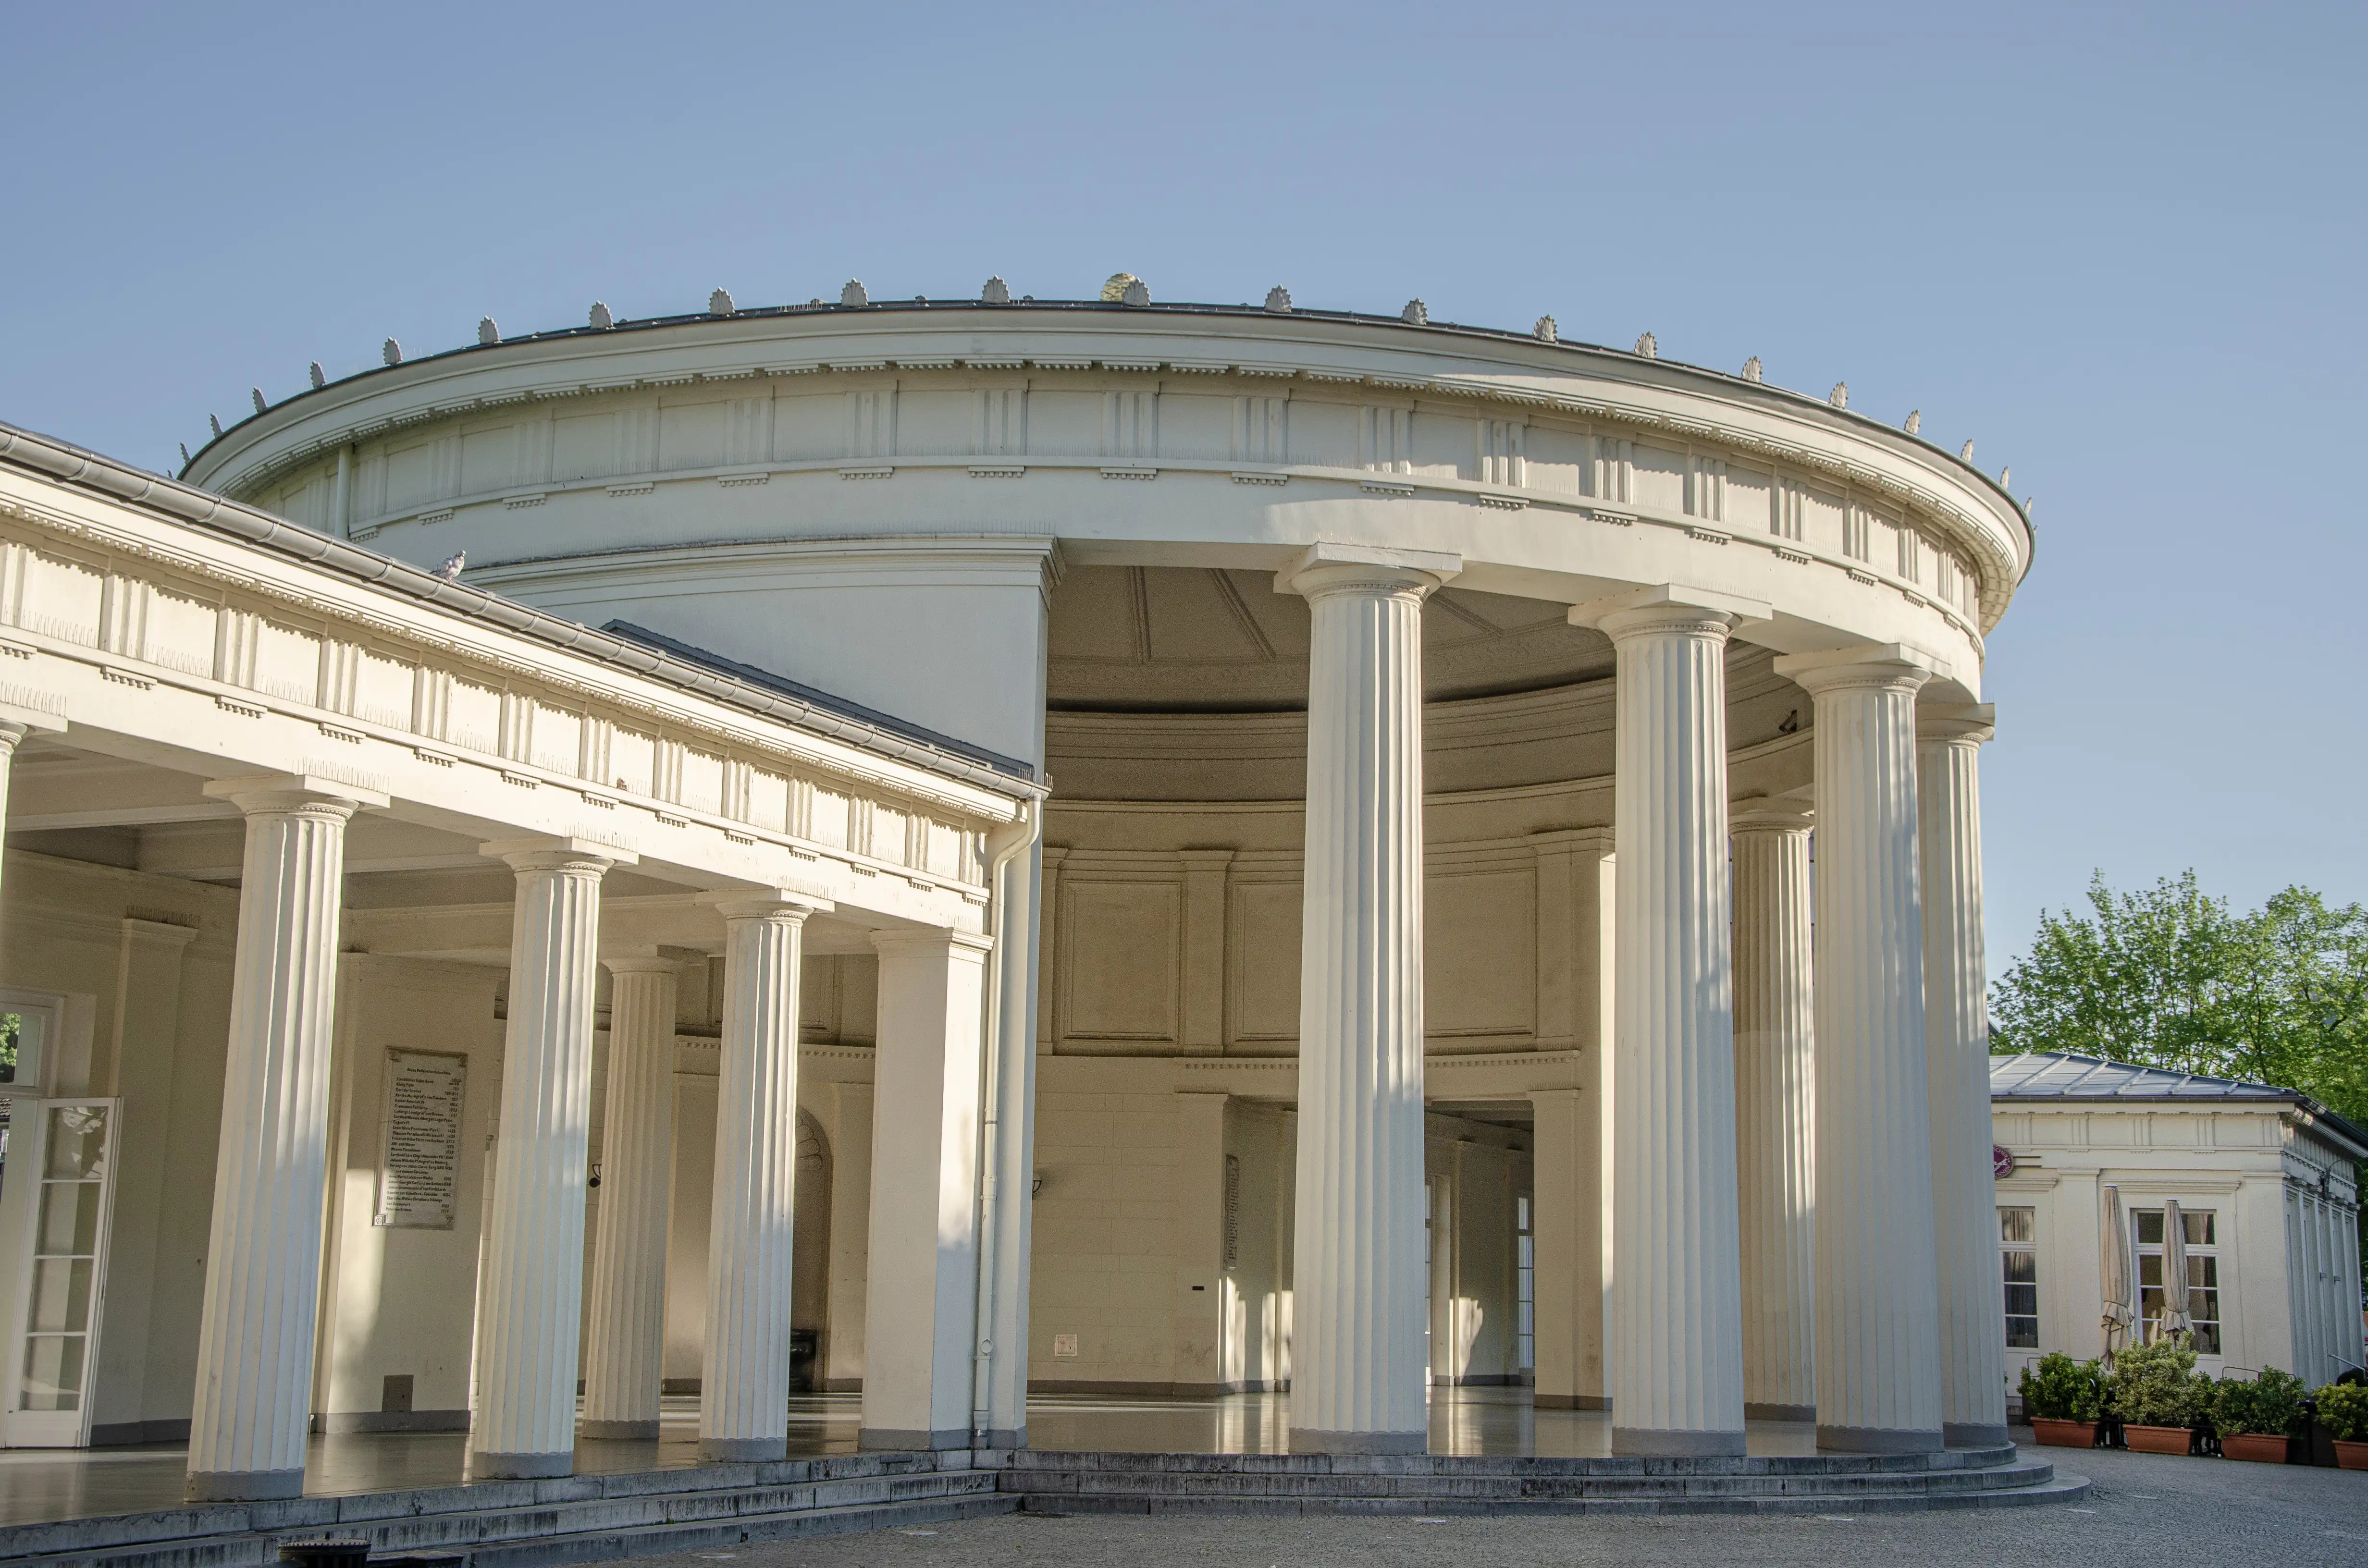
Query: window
[(1525, 1283), (2203, 1275), (2018, 1266)]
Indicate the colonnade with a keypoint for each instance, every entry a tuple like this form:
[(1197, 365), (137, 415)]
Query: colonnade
[(1801, 1212), (252, 1402), (1820, 1247)]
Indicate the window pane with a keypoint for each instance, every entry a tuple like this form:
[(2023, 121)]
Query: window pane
[(2150, 1270), (2016, 1224), (60, 1296), (2149, 1222), (1527, 1242), (2021, 1268), (2021, 1333), (52, 1372), (69, 1225), (2198, 1228), (1521, 1213), (77, 1142)]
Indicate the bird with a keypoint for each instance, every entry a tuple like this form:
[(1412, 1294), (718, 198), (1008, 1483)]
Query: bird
[(450, 570)]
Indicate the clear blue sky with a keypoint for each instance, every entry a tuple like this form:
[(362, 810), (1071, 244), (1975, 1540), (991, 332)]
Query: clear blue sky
[(2119, 247)]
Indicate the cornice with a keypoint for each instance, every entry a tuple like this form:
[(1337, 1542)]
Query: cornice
[(1267, 352)]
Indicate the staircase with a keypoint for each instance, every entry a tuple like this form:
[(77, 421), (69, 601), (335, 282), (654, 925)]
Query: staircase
[(1440, 1484), (529, 1524)]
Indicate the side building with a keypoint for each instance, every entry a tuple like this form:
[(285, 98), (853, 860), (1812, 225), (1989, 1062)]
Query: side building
[(2264, 1179)]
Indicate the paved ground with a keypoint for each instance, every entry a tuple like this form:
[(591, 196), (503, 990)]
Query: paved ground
[(2200, 1513)]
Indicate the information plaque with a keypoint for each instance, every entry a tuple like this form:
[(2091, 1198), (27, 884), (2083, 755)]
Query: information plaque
[(418, 1181)]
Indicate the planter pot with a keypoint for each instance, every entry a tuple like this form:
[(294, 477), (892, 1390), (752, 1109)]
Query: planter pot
[(2261, 1447), (2060, 1434), (2157, 1440), (2351, 1456)]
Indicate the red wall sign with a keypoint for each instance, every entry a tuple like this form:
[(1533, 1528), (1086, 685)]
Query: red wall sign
[(2001, 1160)]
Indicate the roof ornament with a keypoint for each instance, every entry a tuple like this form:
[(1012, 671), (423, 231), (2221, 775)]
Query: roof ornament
[(257, 393), (1415, 313), (391, 351), (453, 566), (1114, 288), (853, 297), (1965, 454), (185, 454), (996, 292), (2006, 478), (600, 319), (719, 304), (1915, 421), (488, 333), (1138, 294), (1648, 346), (216, 423), (1546, 331), (1752, 371), (1278, 299), (1840, 396), (320, 377)]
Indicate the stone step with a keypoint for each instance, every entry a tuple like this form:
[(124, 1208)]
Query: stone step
[(2054, 1490), (570, 1519), (1088, 1480), (1505, 1464)]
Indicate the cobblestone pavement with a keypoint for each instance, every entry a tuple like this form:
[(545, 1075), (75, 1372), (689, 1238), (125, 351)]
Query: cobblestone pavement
[(2144, 1508)]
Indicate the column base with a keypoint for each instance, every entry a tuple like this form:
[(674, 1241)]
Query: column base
[(1003, 1438), (1570, 1402), (1780, 1413), (743, 1450), (1879, 1440), (1308, 1440), (241, 1486), (900, 1440), (1974, 1435), (484, 1466), (1658, 1443), (617, 1431)]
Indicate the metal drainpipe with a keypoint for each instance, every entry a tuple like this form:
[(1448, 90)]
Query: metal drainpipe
[(1001, 853)]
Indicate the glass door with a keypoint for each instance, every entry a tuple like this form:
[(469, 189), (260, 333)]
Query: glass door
[(63, 1162)]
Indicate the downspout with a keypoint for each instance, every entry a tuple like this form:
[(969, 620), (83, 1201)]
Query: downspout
[(1004, 846)]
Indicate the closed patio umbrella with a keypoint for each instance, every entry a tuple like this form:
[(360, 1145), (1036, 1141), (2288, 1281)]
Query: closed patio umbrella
[(2113, 1248), (2174, 1271)]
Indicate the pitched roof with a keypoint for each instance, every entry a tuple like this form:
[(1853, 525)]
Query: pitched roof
[(2067, 1075)]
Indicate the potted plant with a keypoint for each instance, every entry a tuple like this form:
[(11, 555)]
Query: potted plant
[(2154, 1392), (2343, 1411), (2059, 1399), (2256, 1416)]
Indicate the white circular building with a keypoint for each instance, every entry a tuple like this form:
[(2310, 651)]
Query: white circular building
[(1415, 982)]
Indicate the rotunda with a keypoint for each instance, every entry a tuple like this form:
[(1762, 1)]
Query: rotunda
[(1413, 978)]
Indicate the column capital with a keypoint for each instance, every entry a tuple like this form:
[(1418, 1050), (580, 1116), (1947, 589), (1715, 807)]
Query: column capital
[(1326, 568), (1769, 813), (1669, 606), (16, 722), (969, 945), (265, 794), (648, 960), (1888, 666), (1972, 722), (558, 852), (766, 904)]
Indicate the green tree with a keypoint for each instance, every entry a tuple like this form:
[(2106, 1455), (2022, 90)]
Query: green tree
[(2171, 977)]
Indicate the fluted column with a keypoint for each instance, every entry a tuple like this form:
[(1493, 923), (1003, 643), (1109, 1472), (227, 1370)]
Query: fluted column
[(744, 1407), (1775, 1104), (1677, 1330), (624, 1350), (530, 1289), (1957, 1046), (1360, 1299), (1878, 1305), (921, 1292), (254, 1404)]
